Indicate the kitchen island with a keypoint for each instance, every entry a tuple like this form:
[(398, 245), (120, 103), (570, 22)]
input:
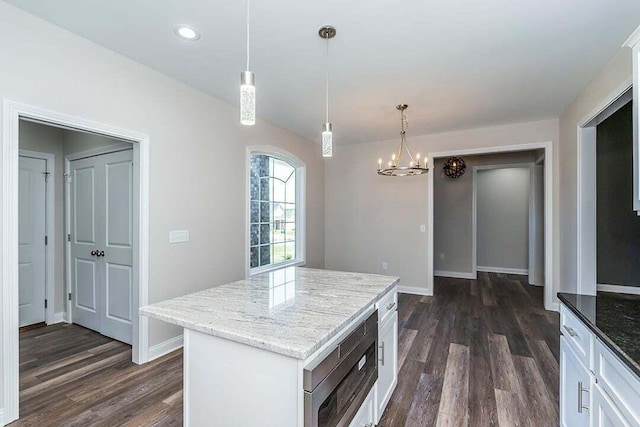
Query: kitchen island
[(248, 345)]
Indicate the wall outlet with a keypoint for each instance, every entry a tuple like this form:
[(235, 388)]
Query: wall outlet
[(178, 236), (441, 256), (385, 266), (423, 228)]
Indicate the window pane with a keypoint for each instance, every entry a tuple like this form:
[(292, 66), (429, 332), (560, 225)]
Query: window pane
[(279, 191), (254, 260), (278, 253), (265, 211), (265, 255), (255, 234), (265, 233), (282, 170), (255, 211), (291, 189), (290, 212), (265, 190), (279, 212), (278, 231), (290, 252), (290, 231)]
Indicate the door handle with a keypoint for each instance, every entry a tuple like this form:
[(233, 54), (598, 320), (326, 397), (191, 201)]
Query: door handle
[(391, 305), (100, 253), (570, 330), (94, 253), (381, 358), (580, 391)]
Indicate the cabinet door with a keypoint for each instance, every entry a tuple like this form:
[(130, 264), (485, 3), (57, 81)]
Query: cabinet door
[(604, 413), (575, 383), (387, 363), (364, 417)]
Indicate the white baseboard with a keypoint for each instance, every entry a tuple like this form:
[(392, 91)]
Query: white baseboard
[(166, 347), (554, 307), (505, 270), (632, 290), (415, 290), (60, 317), (454, 274), (1, 417)]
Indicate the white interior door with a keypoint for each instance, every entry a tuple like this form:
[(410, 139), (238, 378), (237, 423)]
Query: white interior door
[(32, 229), (102, 243)]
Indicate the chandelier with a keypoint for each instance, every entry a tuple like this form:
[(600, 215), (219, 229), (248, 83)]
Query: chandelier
[(395, 167)]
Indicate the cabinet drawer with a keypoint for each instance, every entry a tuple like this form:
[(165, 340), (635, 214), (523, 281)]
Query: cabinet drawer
[(622, 385), (387, 305), (577, 334)]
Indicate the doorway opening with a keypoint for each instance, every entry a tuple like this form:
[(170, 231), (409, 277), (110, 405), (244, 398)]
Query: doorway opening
[(456, 231), (94, 179), (606, 256)]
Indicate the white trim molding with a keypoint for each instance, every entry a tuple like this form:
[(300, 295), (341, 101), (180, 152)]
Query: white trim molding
[(165, 347), (13, 112), (60, 317), (455, 274), (504, 270), (550, 287), (619, 289), (414, 290)]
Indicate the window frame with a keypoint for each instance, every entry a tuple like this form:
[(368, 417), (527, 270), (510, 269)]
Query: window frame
[(300, 203)]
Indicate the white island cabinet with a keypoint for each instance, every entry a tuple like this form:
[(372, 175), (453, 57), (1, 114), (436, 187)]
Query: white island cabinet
[(596, 387), (295, 347)]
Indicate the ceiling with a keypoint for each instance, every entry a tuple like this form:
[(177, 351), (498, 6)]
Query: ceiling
[(458, 64)]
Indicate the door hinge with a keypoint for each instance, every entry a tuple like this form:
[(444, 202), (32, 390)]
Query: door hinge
[(69, 296), (46, 240), (69, 237), (67, 178), (46, 176), (45, 304)]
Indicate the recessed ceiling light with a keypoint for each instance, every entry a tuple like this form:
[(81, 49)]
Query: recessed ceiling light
[(186, 33)]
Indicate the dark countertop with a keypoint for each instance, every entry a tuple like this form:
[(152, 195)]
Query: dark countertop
[(614, 318)]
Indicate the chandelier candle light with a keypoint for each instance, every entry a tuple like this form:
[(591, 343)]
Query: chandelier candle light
[(395, 167), (247, 89), (327, 32)]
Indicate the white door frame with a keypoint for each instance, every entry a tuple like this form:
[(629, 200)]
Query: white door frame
[(67, 203), (12, 113), (50, 231), (586, 255), (550, 288), (474, 211)]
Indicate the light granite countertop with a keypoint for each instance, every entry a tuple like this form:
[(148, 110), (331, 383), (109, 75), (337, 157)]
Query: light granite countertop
[(292, 311)]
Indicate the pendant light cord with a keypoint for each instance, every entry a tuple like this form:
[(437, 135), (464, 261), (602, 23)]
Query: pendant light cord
[(248, 33), (327, 74)]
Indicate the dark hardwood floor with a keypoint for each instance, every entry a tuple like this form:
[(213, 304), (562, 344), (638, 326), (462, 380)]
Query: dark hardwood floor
[(71, 376), (477, 353)]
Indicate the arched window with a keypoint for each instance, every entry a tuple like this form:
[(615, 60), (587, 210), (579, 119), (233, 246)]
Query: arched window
[(276, 210)]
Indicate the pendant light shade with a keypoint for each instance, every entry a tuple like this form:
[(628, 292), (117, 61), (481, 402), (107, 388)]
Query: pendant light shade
[(247, 98), (327, 32), (247, 87), (327, 140)]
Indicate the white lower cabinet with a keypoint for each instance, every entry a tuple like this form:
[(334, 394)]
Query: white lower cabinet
[(596, 388), (365, 416), (605, 413), (575, 383), (387, 363)]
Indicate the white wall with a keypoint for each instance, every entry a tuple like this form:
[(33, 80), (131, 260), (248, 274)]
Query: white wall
[(453, 212), (612, 77), (196, 146), (503, 218), (372, 219)]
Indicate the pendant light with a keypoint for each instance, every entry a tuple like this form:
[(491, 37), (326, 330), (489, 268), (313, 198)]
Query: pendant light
[(248, 87), (395, 164), (327, 32)]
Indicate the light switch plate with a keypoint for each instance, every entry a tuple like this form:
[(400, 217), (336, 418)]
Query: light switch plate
[(178, 236)]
